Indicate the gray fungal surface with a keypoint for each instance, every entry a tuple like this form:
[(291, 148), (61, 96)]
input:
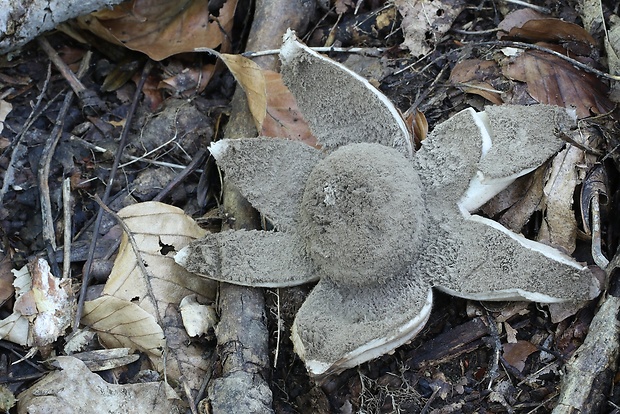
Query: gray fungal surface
[(362, 214), (378, 226)]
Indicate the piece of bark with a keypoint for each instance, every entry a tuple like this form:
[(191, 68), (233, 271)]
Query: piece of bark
[(21, 21), (591, 370), (242, 333), (449, 345)]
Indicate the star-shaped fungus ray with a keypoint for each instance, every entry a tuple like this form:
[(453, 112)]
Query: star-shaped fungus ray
[(339, 114), (493, 148), (378, 227)]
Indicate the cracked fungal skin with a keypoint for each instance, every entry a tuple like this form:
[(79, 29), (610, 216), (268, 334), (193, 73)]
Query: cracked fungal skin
[(363, 214)]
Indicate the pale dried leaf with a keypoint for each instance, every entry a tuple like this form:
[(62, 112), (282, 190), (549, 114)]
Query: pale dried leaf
[(78, 340), (251, 78), (5, 109), (123, 324), (161, 230), (14, 328), (75, 390), (559, 228), (426, 21), (104, 359), (612, 47), (197, 318), (162, 28), (511, 333)]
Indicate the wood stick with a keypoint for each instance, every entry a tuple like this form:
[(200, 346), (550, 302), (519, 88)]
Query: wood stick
[(242, 333)]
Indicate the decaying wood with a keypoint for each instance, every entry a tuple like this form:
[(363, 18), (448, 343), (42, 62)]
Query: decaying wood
[(242, 333), (21, 21), (457, 341), (591, 370)]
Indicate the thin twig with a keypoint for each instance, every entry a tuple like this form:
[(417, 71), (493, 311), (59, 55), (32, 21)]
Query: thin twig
[(576, 63), (475, 32), (497, 349), (49, 235), (198, 159), (67, 211), (16, 150), (279, 333), (86, 96), (106, 195), (66, 72), (531, 6), (366, 51)]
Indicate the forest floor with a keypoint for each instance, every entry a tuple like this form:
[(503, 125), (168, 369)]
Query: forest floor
[(471, 357)]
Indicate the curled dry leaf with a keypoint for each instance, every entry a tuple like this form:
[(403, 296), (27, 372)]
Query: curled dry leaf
[(520, 212), (159, 231), (559, 228), (43, 307), (162, 28)]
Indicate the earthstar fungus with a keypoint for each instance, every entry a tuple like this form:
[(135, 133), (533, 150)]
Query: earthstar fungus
[(378, 226)]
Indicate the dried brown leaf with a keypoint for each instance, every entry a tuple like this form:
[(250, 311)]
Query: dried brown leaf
[(252, 79), (516, 354), (190, 81), (476, 76), (554, 81), (533, 27), (529, 202), (162, 28), (283, 118), (518, 18)]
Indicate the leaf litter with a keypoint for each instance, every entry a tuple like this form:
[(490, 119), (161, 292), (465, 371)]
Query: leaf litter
[(593, 104)]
